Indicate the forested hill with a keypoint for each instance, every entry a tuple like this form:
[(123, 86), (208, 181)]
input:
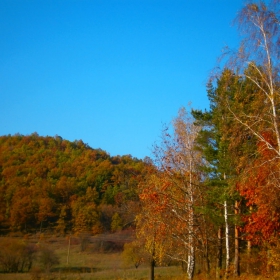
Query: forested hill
[(51, 183)]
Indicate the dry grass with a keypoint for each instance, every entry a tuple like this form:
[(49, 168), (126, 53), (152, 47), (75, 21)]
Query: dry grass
[(96, 263)]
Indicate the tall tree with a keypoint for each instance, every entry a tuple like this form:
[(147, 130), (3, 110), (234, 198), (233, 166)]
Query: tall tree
[(177, 193), (252, 108), (257, 60), (213, 142)]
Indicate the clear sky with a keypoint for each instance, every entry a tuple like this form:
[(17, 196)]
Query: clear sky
[(108, 72)]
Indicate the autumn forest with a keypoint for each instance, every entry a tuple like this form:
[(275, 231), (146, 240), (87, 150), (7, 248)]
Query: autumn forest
[(207, 200)]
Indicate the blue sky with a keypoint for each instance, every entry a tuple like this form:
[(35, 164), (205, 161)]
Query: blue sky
[(109, 72)]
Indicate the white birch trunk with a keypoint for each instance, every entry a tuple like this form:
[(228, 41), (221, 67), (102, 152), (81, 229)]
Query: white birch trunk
[(236, 243), (226, 236), (191, 253)]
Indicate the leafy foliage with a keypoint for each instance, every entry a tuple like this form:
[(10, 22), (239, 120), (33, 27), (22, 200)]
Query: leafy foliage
[(49, 182), (16, 255), (48, 258)]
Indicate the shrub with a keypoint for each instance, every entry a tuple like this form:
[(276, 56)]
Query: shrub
[(84, 240), (16, 255), (116, 224), (133, 253), (48, 258)]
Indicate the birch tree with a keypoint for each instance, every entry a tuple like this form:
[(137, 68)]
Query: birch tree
[(257, 60), (177, 194), (254, 105)]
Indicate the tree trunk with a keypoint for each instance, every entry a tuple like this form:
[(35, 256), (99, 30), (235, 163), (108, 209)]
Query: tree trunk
[(206, 261), (236, 242), (152, 270), (191, 263), (191, 256), (248, 265), (219, 259), (249, 248), (227, 238)]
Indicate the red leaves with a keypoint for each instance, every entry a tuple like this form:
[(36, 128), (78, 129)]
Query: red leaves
[(261, 191), (265, 147)]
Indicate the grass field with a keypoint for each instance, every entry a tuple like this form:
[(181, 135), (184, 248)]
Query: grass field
[(105, 274), (100, 260)]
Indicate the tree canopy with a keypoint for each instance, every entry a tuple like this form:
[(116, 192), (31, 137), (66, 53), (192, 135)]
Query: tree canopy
[(63, 185)]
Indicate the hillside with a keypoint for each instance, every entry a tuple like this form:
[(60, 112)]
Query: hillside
[(49, 183)]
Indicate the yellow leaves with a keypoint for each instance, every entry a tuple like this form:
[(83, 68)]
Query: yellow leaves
[(133, 253), (116, 223), (253, 7)]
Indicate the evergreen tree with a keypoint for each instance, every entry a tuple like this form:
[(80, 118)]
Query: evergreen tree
[(214, 142)]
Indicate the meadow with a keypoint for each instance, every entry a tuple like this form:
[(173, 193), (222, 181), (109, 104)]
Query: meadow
[(99, 259), (94, 258)]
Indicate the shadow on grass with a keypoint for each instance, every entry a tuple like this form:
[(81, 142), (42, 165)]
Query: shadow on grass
[(73, 269)]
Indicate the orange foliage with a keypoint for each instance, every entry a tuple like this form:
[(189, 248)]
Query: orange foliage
[(42, 178), (262, 194)]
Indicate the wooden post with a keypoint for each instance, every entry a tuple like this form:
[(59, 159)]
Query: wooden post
[(68, 252)]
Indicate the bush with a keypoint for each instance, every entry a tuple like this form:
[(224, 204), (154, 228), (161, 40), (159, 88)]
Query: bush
[(116, 224), (48, 259), (84, 240), (16, 255), (133, 253)]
